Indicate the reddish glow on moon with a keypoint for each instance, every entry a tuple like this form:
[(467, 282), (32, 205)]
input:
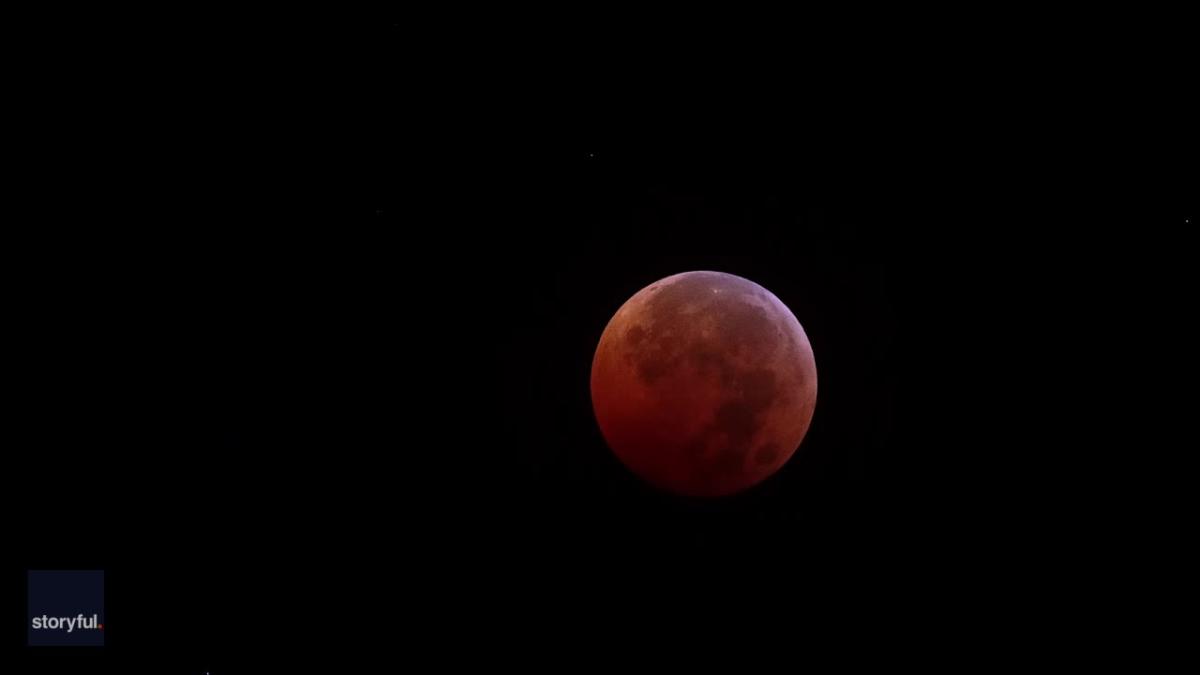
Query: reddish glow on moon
[(704, 384)]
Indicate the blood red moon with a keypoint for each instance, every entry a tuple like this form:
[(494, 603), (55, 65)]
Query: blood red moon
[(704, 384)]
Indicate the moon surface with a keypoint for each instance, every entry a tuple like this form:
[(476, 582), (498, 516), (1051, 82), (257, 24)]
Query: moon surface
[(704, 384)]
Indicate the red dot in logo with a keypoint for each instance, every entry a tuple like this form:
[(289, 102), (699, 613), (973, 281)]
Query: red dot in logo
[(101, 626)]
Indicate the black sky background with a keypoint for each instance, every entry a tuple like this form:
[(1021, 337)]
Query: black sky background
[(304, 325)]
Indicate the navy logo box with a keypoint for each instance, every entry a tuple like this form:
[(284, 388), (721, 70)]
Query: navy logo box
[(66, 608)]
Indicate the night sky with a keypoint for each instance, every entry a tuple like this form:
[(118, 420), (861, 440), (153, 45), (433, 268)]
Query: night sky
[(313, 343)]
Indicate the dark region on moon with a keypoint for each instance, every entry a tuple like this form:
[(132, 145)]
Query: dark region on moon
[(739, 329)]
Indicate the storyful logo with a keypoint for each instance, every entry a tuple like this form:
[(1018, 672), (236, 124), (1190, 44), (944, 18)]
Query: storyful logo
[(66, 608)]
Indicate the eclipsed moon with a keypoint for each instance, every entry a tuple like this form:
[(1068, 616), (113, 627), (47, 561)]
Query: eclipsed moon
[(704, 383)]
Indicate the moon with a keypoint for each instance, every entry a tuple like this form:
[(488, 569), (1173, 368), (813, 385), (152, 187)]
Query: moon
[(704, 384)]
